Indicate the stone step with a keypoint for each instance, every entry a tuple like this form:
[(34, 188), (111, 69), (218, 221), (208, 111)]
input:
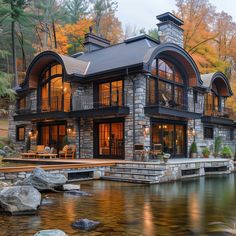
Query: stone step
[(130, 180), (133, 170), (142, 165), (125, 175)]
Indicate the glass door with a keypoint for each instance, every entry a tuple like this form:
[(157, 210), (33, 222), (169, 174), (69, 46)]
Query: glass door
[(52, 135), (171, 137), (110, 140)]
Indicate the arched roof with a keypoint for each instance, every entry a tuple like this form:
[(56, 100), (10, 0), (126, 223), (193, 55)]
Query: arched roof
[(179, 54), (70, 65), (219, 81)]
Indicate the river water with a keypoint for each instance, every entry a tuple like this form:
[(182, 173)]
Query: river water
[(179, 208)]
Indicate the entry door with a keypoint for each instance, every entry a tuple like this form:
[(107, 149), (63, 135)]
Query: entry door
[(110, 140), (52, 135), (171, 137)]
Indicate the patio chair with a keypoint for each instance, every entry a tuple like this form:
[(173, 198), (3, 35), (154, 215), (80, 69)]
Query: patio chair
[(40, 149), (157, 150), (139, 152), (68, 152)]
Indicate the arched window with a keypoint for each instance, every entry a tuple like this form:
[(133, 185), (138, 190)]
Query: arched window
[(54, 92), (171, 87)]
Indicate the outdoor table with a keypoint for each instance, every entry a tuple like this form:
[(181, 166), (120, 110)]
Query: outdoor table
[(45, 155), (28, 154)]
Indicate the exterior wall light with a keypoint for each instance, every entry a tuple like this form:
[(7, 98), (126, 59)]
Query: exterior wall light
[(146, 130), (191, 131)]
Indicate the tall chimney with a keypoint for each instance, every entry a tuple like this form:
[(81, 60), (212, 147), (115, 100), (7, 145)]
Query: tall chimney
[(93, 42), (170, 29)]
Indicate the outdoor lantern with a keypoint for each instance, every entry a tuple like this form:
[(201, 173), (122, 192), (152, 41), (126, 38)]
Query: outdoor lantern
[(70, 129), (146, 130), (191, 131)]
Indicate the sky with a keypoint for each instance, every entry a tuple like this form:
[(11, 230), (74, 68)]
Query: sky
[(142, 13)]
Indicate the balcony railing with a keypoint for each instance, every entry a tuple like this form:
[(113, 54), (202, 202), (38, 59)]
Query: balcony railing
[(85, 102), (224, 112), (165, 99), (45, 105)]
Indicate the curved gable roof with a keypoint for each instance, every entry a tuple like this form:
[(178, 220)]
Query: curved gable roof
[(71, 66), (221, 82), (179, 54)]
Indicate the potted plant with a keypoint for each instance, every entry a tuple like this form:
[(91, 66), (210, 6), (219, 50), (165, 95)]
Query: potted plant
[(206, 152), (28, 143), (217, 146), (226, 152), (193, 150)]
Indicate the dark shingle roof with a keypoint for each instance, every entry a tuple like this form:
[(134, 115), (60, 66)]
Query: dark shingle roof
[(130, 52)]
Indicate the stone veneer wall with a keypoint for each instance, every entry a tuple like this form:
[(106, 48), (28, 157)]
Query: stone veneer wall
[(171, 33), (140, 119)]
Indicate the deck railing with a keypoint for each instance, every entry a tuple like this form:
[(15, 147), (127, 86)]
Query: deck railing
[(85, 102), (224, 112)]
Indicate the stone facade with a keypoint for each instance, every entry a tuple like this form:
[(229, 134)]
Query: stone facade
[(170, 33)]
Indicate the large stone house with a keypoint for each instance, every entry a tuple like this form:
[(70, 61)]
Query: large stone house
[(112, 97)]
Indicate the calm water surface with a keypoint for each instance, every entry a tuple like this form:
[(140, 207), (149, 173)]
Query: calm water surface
[(180, 208)]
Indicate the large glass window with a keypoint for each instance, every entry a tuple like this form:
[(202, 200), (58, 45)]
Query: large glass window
[(55, 93), (171, 90), (111, 93), (212, 104)]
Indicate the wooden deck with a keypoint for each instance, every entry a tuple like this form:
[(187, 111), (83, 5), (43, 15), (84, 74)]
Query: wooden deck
[(55, 164)]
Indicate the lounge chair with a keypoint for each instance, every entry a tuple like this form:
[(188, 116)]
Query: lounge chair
[(68, 152)]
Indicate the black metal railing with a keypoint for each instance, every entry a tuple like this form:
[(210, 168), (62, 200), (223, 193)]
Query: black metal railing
[(224, 112), (57, 103), (167, 99), (85, 102)]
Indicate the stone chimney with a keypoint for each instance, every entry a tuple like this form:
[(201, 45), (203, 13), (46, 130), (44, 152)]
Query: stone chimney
[(169, 29), (93, 42)]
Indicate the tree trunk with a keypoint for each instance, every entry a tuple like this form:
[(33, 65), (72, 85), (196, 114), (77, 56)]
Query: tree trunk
[(54, 34), (14, 65)]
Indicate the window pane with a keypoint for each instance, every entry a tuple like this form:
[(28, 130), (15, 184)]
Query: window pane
[(20, 133), (116, 93), (154, 67), (151, 98), (179, 99), (161, 68), (104, 139), (104, 94), (208, 133)]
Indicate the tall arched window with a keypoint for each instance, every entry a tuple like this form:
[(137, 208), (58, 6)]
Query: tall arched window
[(54, 92), (171, 89)]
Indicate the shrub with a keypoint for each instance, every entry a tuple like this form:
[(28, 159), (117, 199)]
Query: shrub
[(226, 152), (193, 148), (205, 152), (217, 146)]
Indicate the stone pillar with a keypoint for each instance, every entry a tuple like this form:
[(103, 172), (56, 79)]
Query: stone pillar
[(86, 138), (141, 121)]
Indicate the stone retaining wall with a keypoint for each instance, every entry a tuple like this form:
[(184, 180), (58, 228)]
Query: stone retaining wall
[(14, 176)]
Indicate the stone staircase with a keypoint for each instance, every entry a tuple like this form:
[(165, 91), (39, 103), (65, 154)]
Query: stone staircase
[(144, 173)]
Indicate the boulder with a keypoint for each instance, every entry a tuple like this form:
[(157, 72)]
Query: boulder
[(50, 232), (77, 193), (43, 181), (2, 153), (85, 224), (19, 199), (7, 149), (67, 187)]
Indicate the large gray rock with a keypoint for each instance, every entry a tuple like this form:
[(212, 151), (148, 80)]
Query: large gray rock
[(51, 232), (43, 181), (19, 200), (2, 153), (85, 224)]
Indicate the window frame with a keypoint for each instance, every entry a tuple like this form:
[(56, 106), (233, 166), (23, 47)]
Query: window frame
[(97, 101), (18, 127), (46, 80), (211, 137)]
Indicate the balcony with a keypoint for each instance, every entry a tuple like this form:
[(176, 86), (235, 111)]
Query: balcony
[(168, 104), (223, 116), (106, 104)]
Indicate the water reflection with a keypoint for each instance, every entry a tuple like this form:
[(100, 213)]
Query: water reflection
[(180, 208)]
